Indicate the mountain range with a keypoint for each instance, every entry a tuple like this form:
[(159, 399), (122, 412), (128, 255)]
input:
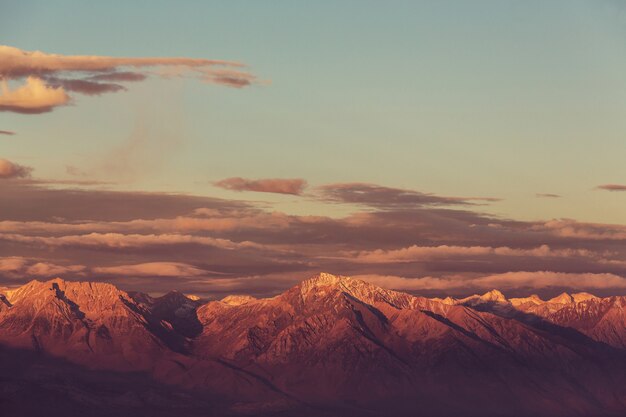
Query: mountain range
[(330, 346)]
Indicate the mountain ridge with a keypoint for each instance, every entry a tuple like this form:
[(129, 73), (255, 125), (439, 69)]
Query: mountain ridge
[(341, 344)]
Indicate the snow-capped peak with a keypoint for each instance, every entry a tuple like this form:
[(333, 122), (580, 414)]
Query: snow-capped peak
[(493, 295), (583, 296), (357, 288), (533, 299), (563, 298)]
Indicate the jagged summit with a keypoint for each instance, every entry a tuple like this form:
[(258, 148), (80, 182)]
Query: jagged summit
[(72, 289), (331, 336), (324, 279), (563, 298), (583, 296), (325, 283), (493, 295)]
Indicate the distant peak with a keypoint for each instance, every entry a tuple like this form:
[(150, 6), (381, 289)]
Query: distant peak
[(324, 278), (493, 295), (359, 289), (563, 298), (533, 299)]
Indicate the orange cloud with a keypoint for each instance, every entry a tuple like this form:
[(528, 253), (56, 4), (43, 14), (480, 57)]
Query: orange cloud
[(32, 97), (294, 186), (10, 170)]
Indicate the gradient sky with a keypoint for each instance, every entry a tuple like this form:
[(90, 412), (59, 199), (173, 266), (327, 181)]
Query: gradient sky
[(520, 101)]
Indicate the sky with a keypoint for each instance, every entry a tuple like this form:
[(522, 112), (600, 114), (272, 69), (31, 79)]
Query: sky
[(216, 147)]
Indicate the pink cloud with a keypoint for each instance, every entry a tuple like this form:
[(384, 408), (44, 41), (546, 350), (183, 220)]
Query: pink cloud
[(10, 170), (612, 187), (294, 186), (7, 132)]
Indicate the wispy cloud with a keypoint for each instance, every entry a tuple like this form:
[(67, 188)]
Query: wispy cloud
[(547, 195), (9, 170), (6, 132), (612, 187), (49, 77), (293, 186)]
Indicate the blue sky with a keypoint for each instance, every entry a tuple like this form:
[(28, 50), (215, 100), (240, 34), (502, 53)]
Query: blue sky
[(502, 99)]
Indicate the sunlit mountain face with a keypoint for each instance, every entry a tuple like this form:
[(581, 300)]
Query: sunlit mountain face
[(331, 345), (176, 176)]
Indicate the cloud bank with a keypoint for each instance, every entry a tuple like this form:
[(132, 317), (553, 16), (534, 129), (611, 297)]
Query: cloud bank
[(212, 246)]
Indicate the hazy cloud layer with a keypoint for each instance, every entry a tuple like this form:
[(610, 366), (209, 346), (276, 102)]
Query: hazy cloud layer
[(293, 186), (45, 79), (215, 246)]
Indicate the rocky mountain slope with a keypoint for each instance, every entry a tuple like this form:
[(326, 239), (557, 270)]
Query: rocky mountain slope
[(331, 346)]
